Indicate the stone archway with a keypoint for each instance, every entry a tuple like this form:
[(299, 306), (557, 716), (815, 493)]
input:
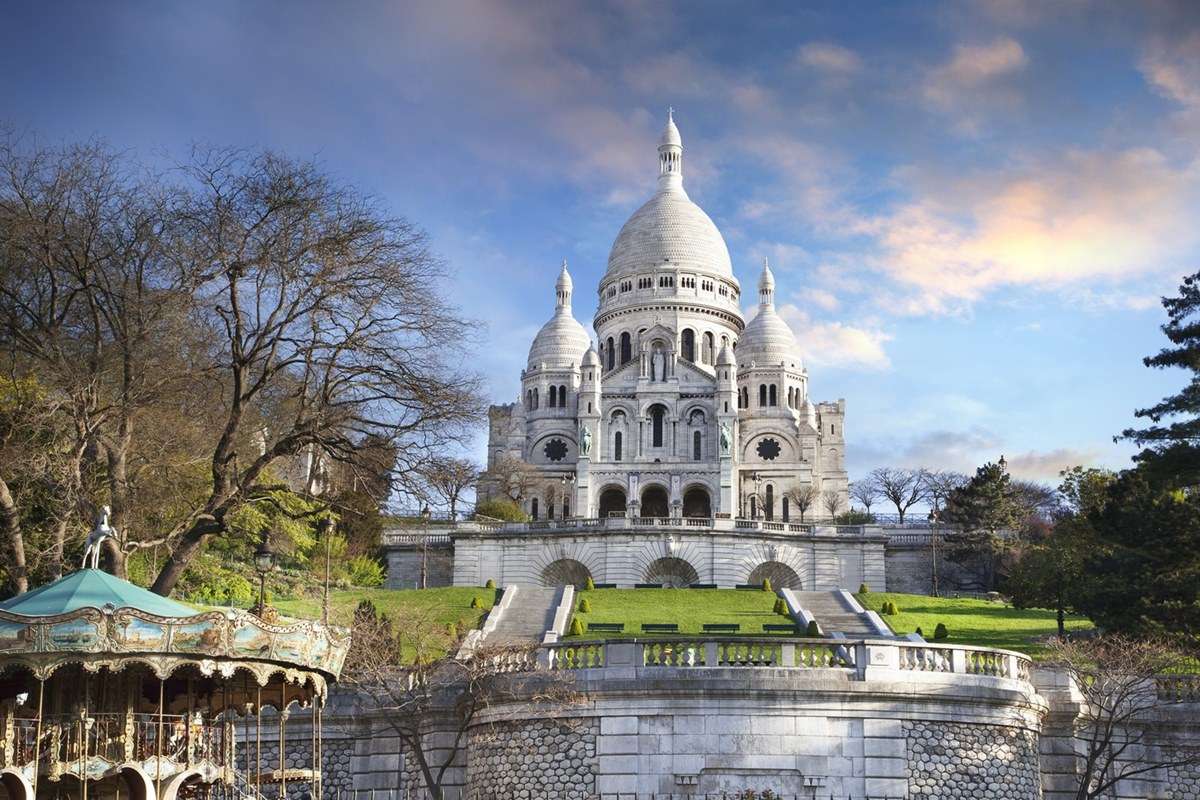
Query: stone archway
[(655, 502), (779, 574), (566, 572), (672, 572), (612, 502), (697, 503)]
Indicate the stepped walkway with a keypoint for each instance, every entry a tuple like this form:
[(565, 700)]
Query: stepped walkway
[(835, 615), (528, 616)]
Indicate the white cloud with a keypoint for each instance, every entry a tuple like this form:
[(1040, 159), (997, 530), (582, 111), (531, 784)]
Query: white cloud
[(973, 84), (1173, 69), (1046, 466), (837, 344), (829, 57), (1084, 217)]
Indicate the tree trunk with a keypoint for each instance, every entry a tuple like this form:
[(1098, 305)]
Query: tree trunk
[(10, 528), (181, 555)]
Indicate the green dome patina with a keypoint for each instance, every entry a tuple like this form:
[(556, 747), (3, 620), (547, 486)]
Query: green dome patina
[(92, 588)]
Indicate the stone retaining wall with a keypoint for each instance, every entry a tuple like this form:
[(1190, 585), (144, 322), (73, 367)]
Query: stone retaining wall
[(533, 759), (948, 760)]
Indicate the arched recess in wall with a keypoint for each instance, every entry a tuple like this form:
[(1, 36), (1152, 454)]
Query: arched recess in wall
[(654, 502), (626, 348), (671, 571), (697, 503), (779, 574), (687, 341), (612, 502), (566, 572)]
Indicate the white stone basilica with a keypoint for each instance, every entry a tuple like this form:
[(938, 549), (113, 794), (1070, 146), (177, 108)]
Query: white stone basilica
[(684, 408)]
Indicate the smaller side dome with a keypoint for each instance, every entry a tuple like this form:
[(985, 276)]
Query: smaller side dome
[(726, 357), (767, 340), (591, 358), (562, 341)]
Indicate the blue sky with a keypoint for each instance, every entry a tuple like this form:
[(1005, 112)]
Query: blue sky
[(971, 208)]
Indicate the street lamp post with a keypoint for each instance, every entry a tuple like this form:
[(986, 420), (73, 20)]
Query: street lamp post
[(264, 562), (933, 543), (325, 530), (425, 514)]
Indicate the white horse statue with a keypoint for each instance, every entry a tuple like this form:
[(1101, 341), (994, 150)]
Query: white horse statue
[(102, 531)]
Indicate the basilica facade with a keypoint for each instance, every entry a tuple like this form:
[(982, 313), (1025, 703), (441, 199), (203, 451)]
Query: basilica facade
[(679, 407)]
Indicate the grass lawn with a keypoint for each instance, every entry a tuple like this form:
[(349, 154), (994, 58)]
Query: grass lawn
[(976, 622), (442, 606), (688, 608)]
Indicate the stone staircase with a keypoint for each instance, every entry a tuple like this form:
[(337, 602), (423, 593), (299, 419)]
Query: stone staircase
[(528, 616), (835, 615)]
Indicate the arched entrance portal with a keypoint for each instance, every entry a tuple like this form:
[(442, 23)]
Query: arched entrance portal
[(671, 571), (779, 574), (696, 503), (654, 502), (612, 503), (565, 572)]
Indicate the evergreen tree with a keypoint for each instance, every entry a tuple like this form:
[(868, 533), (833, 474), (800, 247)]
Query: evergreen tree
[(1172, 442), (989, 509)]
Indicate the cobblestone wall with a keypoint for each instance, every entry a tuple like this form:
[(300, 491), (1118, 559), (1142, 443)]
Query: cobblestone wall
[(337, 777), (533, 759), (951, 760), (1183, 782)]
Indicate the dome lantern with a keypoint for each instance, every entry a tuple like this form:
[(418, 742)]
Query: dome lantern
[(766, 286), (670, 157)]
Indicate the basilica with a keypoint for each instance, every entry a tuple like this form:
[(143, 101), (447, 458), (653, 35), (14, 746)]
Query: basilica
[(679, 407)]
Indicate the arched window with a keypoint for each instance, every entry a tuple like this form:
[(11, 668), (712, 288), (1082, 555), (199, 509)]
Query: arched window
[(785, 508), (562, 396), (762, 395), (753, 507), (533, 509), (774, 397), (696, 441), (566, 508), (617, 446), (688, 344), (535, 399), (708, 348), (550, 510), (529, 399), (553, 396), (626, 348), (769, 502), (789, 397), (610, 353), (657, 413)]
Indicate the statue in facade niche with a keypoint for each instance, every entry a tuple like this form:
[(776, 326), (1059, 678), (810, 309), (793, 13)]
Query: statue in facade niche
[(726, 439), (585, 440), (658, 368)]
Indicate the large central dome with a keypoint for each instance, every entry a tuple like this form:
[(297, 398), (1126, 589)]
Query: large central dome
[(670, 229)]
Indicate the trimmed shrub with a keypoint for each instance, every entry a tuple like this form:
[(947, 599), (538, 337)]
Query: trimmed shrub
[(767, 585), (814, 630), (491, 584), (476, 603), (504, 509), (919, 632), (585, 606), (864, 589), (780, 606), (890, 608), (452, 630), (576, 627), (589, 584), (941, 632)]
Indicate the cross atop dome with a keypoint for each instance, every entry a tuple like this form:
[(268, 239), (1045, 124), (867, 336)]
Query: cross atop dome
[(670, 156)]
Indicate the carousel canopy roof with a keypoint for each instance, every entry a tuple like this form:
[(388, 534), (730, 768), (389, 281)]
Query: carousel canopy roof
[(92, 588)]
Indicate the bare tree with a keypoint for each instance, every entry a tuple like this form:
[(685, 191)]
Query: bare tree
[(939, 484), (832, 501), (430, 699), (904, 488), (804, 497), (865, 491), (448, 478), (515, 478), (331, 327), (1125, 686)]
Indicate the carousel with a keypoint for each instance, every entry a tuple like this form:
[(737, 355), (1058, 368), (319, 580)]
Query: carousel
[(109, 691)]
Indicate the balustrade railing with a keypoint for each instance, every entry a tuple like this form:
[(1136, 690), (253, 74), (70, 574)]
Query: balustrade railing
[(855, 656)]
